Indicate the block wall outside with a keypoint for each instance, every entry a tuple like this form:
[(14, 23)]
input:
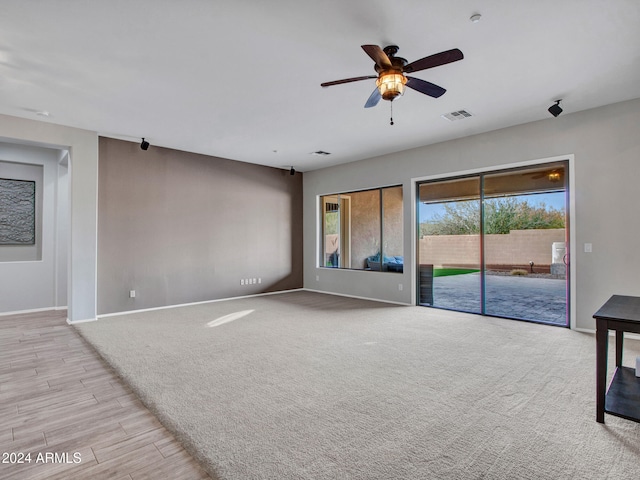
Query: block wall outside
[(517, 248)]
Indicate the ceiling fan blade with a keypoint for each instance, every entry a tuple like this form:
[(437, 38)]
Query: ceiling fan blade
[(374, 98), (347, 80), (436, 60), (378, 56), (427, 88)]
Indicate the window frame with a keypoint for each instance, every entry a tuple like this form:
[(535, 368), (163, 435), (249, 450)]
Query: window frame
[(345, 243)]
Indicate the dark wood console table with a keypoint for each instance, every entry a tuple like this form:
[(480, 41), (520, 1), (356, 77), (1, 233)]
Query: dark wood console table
[(622, 314)]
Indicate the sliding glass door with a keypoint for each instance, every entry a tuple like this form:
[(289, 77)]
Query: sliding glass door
[(496, 243), (525, 244), (449, 259)]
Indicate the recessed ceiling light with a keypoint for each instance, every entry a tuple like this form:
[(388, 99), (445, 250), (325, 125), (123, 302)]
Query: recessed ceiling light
[(43, 113), (475, 18), (320, 153)]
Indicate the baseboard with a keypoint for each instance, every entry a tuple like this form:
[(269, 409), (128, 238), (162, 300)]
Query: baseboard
[(627, 336), (128, 312), (86, 320), (358, 297), (583, 330), (22, 312)]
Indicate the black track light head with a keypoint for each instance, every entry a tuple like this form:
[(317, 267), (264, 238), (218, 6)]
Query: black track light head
[(292, 171), (144, 145), (555, 109)]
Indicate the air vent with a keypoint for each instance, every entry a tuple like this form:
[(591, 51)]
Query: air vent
[(320, 153), (458, 115)]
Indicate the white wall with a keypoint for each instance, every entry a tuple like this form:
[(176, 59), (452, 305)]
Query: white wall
[(29, 282), (83, 184), (606, 148)]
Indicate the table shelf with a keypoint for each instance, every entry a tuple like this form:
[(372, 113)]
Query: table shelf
[(623, 396), (622, 314)]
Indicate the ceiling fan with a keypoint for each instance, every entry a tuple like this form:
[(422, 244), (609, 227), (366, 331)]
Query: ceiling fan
[(553, 175), (391, 78)]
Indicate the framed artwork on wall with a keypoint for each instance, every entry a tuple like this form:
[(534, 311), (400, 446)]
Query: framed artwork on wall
[(17, 212)]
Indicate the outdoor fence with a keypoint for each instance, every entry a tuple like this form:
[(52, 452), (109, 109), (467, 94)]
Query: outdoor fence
[(502, 251)]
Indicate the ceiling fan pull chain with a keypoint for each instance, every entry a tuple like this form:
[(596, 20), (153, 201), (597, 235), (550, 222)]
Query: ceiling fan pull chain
[(391, 102)]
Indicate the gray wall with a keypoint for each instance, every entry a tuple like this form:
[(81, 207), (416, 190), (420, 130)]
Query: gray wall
[(32, 277), (178, 227), (606, 148)]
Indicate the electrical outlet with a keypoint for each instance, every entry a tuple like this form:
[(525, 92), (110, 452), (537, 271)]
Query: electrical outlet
[(588, 248), (400, 286), (259, 280), (242, 281), (132, 294)]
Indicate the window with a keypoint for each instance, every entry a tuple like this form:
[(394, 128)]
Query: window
[(363, 230)]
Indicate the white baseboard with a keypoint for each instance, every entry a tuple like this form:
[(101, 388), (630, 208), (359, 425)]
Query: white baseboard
[(128, 312), (33, 310), (583, 330), (358, 297), (627, 336), (86, 320)]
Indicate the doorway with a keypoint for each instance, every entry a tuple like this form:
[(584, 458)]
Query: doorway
[(34, 274), (496, 243)]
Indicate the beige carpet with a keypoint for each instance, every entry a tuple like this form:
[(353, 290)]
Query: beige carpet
[(303, 385)]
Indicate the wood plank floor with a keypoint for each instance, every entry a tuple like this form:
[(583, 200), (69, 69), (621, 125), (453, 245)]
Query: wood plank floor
[(60, 403)]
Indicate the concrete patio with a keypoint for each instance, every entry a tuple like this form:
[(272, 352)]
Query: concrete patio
[(521, 297)]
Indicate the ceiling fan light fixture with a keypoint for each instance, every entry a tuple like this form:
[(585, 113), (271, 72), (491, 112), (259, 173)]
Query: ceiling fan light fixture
[(391, 84)]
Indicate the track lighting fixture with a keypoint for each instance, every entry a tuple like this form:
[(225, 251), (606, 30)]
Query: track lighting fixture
[(555, 109), (144, 145), (292, 171)]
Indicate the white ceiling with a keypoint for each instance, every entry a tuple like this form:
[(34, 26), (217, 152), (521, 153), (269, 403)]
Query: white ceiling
[(241, 79)]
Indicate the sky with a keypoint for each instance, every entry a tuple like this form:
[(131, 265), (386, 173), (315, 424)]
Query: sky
[(553, 200)]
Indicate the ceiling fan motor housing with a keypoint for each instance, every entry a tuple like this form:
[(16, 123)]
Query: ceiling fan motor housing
[(391, 79)]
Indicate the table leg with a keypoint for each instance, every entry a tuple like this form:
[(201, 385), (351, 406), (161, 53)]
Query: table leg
[(602, 343), (619, 338)]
